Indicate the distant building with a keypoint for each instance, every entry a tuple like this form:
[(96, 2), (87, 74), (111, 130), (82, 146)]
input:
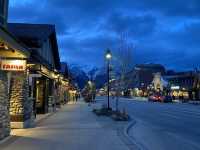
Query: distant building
[(139, 78), (184, 80), (182, 84), (64, 69), (159, 83), (144, 74)]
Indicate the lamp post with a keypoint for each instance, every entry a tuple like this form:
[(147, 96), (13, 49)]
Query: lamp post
[(108, 58), (90, 88)]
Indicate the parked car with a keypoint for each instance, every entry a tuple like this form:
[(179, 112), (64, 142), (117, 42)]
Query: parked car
[(156, 98), (160, 98)]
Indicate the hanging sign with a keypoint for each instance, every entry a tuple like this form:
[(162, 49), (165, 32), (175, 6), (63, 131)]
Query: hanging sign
[(175, 87), (35, 75), (13, 65)]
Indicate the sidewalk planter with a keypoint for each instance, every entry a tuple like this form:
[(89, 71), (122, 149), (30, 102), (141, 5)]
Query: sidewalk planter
[(115, 115), (118, 116), (102, 112), (87, 98)]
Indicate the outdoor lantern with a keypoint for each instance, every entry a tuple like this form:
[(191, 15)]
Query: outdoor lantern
[(108, 58), (90, 83), (108, 55)]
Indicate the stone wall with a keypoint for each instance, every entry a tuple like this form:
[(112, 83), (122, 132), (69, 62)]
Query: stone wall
[(21, 106), (4, 106), (51, 104)]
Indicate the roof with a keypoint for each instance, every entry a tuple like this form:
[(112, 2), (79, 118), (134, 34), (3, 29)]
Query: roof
[(38, 31), (64, 69), (32, 35), (11, 40), (180, 75), (151, 67)]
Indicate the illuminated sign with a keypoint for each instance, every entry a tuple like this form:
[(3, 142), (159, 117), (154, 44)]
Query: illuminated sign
[(175, 87), (13, 65)]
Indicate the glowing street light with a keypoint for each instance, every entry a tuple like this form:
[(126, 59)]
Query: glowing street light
[(108, 55), (90, 83), (108, 58)]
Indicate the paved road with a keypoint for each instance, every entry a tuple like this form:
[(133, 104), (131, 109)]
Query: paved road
[(163, 126), (74, 127)]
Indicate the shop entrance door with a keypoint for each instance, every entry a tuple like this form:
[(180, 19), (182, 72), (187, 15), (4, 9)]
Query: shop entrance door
[(41, 95)]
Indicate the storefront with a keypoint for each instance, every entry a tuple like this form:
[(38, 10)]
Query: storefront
[(48, 88), (181, 85), (43, 63), (180, 93), (42, 85), (15, 107)]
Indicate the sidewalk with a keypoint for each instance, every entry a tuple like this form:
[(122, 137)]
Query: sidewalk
[(73, 127)]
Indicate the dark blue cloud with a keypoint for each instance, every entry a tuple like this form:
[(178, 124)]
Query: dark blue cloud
[(137, 26), (164, 32)]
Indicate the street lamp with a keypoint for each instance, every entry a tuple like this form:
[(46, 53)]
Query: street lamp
[(108, 58), (90, 83), (90, 91)]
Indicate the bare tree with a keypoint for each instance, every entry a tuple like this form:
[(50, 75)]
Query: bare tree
[(92, 73), (196, 84), (124, 62), (123, 66)]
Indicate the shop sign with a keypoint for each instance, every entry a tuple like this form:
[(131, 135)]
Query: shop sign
[(31, 76), (35, 75), (175, 87), (13, 65)]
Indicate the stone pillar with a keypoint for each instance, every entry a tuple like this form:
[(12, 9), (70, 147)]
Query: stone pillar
[(4, 106), (21, 106), (51, 104), (56, 95)]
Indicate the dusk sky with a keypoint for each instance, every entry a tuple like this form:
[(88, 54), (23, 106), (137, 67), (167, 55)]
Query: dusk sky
[(166, 32)]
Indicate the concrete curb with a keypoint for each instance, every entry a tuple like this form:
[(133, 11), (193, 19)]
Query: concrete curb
[(128, 127), (194, 102), (129, 142), (126, 131), (137, 145)]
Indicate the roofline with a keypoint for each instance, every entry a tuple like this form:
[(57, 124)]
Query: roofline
[(51, 36), (56, 46), (13, 42), (31, 23)]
